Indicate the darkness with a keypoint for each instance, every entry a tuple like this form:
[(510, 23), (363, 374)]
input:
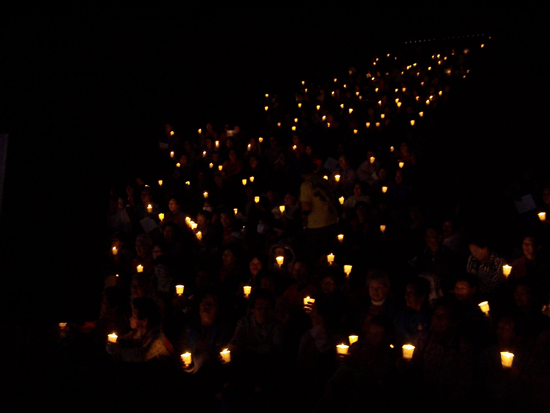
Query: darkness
[(84, 98)]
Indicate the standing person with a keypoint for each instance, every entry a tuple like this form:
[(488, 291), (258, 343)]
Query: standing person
[(320, 214)]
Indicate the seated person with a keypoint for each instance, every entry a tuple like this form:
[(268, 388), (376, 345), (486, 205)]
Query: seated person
[(486, 266), (146, 341), (416, 316)]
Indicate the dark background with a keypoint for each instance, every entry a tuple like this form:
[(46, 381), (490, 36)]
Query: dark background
[(84, 95)]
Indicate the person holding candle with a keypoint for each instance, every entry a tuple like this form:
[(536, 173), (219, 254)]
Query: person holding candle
[(146, 341), (142, 208), (417, 314), (144, 257), (532, 266), (347, 175), (359, 195), (319, 215), (302, 288), (379, 302), (486, 266), (205, 335), (175, 214)]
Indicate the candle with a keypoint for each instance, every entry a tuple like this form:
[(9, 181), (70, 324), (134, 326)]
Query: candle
[(347, 269), (211, 165), (318, 107), (282, 208), (350, 110), (115, 250), (244, 181), (171, 133), (172, 154), (342, 349), (200, 131), (179, 289), (251, 179), (341, 238), (267, 95), (382, 116), (279, 124), (149, 208), (484, 307), (401, 164), (112, 338), (236, 210), (226, 355), (384, 189), (355, 131), (205, 194), (266, 108), (421, 114), (325, 177), (260, 139), (335, 80), (187, 183), (391, 148), (330, 258), (246, 290), (140, 268), (377, 124), (294, 147), (506, 359), (308, 300), (408, 350), (178, 165), (199, 235), (341, 200), (542, 216), (220, 167), (217, 144), (62, 325), (299, 105), (382, 228), (257, 199), (399, 104), (337, 178), (412, 122), (161, 216), (295, 120), (372, 159), (280, 259), (368, 124), (506, 269), (353, 339), (342, 105), (187, 220), (324, 118), (294, 128), (186, 358)]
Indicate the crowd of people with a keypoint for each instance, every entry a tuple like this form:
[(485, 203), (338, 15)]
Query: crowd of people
[(322, 218)]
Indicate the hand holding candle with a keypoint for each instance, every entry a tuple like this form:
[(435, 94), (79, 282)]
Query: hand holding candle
[(112, 338), (506, 359), (179, 289), (484, 306), (353, 339), (246, 290), (226, 356)]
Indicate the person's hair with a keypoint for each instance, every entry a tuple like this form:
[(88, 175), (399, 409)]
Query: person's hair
[(206, 214), (480, 239), (115, 297), (421, 286), (471, 279), (144, 240), (147, 309), (260, 293), (377, 275)]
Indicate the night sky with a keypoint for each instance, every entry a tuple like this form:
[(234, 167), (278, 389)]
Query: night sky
[(84, 95)]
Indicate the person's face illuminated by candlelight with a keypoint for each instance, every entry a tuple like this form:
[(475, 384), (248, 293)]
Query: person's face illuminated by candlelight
[(290, 199), (168, 233), (328, 285), (299, 272), (253, 162), (464, 291), (208, 310), (263, 310), (226, 219), (228, 258), (530, 248), (398, 177), (378, 290), (202, 221), (136, 323), (255, 266), (145, 197), (208, 144), (233, 155), (448, 229), (343, 162), (157, 251), (183, 160), (173, 206), (433, 239), (358, 190), (382, 174), (546, 196)]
